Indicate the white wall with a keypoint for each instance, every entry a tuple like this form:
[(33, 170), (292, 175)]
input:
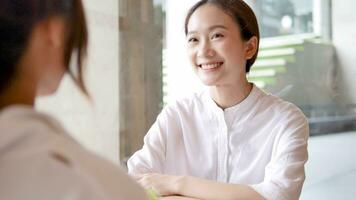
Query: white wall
[(343, 33), (95, 124)]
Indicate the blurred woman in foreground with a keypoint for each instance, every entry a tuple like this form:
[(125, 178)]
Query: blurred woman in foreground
[(38, 159)]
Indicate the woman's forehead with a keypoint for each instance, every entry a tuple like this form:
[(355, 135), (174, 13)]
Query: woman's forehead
[(208, 17)]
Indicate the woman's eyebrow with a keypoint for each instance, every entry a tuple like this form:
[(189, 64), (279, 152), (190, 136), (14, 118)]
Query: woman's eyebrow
[(217, 26), (210, 29), (191, 32)]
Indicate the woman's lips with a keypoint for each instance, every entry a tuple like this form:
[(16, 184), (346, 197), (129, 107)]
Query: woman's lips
[(209, 66)]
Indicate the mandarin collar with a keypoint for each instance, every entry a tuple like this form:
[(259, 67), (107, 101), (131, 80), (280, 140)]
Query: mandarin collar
[(243, 107)]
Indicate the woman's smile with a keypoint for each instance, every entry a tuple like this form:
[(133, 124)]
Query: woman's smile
[(211, 65)]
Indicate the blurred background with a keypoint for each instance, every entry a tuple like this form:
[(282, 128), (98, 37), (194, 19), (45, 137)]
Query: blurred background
[(137, 64)]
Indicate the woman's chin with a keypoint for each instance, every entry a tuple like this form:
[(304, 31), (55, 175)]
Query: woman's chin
[(47, 91), (208, 82), (209, 78)]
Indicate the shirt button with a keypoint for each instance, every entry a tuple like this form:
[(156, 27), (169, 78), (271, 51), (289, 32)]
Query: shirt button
[(225, 129)]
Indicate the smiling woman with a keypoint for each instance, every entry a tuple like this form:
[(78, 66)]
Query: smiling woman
[(213, 44), (231, 141)]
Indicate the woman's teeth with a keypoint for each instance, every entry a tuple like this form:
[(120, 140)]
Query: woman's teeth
[(210, 66)]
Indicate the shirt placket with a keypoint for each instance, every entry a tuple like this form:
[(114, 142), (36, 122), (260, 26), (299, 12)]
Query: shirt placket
[(223, 151)]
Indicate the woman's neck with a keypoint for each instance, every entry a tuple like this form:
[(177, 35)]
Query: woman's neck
[(16, 94), (229, 95)]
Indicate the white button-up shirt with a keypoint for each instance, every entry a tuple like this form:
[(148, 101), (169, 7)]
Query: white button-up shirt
[(39, 161), (261, 142)]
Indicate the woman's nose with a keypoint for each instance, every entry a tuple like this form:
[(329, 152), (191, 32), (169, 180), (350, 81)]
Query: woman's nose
[(205, 50)]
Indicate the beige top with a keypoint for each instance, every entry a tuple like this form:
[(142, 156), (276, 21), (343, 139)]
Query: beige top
[(40, 161)]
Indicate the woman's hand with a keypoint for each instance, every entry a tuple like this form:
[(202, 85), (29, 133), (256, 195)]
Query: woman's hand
[(164, 185)]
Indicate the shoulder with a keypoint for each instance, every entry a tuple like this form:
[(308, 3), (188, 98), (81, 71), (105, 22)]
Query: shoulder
[(40, 176), (52, 175), (19, 118), (280, 109), (37, 155), (27, 128), (285, 118)]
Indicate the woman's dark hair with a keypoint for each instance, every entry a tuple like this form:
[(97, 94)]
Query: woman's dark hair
[(241, 13), (17, 20)]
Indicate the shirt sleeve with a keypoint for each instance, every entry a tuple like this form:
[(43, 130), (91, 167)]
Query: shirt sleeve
[(285, 175), (152, 155)]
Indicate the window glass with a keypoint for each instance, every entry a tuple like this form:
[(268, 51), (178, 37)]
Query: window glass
[(284, 17)]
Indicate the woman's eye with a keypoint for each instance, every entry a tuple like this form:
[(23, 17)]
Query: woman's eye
[(217, 35), (192, 39)]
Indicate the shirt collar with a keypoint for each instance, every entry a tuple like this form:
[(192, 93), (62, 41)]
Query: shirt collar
[(231, 114)]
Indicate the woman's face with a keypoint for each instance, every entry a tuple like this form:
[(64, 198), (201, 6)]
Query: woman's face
[(215, 47)]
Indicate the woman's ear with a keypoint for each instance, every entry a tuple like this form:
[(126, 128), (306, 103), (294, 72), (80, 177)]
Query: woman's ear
[(56, 31), (50, 33), (251, 47)]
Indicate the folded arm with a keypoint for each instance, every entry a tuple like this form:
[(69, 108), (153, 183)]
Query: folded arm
[(187, 186)]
